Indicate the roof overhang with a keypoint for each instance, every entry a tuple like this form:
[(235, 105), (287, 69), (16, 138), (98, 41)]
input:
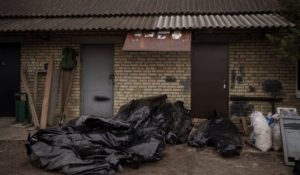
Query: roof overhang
[(83, 8), (162, 22)]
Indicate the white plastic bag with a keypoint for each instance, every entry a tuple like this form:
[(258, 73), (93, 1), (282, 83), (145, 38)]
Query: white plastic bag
[(276, 135), (261, 134)]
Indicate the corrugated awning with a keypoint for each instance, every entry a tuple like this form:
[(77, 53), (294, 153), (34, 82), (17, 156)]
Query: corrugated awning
[(76, 8), (169, 22)]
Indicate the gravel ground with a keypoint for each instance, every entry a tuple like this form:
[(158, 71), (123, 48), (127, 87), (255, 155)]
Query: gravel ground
[(177, 160)]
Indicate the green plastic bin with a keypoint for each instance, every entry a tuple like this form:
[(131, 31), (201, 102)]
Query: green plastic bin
[(21, 108)]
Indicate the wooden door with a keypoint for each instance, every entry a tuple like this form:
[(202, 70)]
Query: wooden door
[(209, 80)]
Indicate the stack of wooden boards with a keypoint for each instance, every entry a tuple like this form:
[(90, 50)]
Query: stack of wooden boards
[(49, 102)]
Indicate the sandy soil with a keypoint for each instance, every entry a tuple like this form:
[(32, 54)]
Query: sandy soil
[(178, 160)]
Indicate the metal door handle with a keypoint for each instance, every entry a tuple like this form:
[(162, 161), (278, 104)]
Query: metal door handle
[(224, 84), (112, 78)]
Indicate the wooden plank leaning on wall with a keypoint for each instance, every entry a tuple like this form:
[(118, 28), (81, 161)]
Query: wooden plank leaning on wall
[(34, 116), (47, 94)]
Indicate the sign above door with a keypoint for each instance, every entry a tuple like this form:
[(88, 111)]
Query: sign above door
[(158, 41)]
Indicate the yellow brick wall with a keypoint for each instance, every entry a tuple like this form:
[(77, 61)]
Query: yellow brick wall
[(257, 57), (141, 74), (35, 53)]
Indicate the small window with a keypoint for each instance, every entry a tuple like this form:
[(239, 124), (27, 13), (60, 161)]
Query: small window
[(298, 80)]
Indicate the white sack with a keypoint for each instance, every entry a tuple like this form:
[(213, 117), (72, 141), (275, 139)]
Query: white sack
[(261, 134)]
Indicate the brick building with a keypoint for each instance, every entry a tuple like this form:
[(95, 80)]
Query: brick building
[(229, 58)]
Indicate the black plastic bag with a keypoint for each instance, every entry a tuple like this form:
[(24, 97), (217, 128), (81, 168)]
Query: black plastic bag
[(224, 135), (172, 120), (181, 125), (95, 145), (219, 132), (199, 135), (129, 111)]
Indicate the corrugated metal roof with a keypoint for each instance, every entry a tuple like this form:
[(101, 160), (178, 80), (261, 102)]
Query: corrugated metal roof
[(55, 8), (145, 22)]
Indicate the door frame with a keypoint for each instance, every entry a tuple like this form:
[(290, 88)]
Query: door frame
[(113, 70), (209, 41)]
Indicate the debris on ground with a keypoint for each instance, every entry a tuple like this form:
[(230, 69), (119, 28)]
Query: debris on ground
[(95, 145), (21, 125)]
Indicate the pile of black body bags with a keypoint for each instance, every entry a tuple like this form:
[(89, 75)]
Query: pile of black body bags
[(138, 133), (218, 132)]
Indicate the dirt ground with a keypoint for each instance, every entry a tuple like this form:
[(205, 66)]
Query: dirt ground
[(8, 132), (177, 160)]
